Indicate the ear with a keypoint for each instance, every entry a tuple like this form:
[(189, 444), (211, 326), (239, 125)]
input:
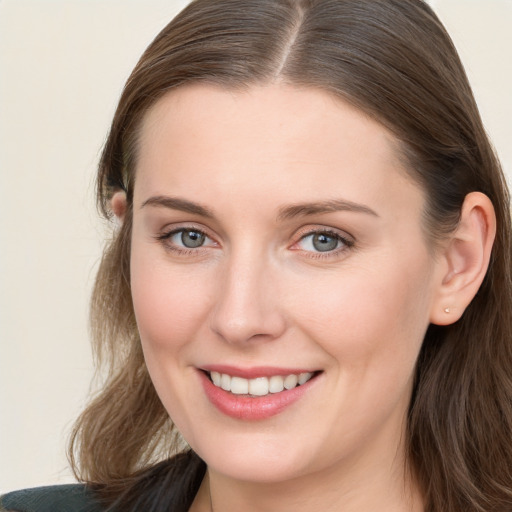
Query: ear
[(118, 205), (464, 259)]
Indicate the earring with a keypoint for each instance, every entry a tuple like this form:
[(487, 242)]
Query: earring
[(446, 310)]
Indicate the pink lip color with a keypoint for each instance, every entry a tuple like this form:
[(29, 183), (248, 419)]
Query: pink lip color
[(243, 407)]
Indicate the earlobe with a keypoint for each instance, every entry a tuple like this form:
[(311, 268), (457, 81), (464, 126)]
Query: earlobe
[(465, 259), (118, 205)]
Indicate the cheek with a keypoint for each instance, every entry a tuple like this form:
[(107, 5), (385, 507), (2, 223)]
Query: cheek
[(372, 325), (169, 304), (169, 308), (370, 318)]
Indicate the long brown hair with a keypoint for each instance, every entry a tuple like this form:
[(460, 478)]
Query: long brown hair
[(394, 61)]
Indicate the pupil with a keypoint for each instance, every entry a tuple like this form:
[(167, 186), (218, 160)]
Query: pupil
[(323, 242), (192, 239)]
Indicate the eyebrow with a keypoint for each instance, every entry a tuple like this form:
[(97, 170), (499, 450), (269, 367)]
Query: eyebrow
[(176, 203), (315, 208), (285, 213)]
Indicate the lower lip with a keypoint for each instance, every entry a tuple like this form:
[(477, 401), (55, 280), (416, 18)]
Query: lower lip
[(248, 408)]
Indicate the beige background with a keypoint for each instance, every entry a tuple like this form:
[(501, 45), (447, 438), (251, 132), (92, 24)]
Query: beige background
[(62, 66)]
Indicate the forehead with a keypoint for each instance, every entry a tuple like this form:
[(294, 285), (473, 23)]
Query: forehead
[(303, 142), (260, 112)]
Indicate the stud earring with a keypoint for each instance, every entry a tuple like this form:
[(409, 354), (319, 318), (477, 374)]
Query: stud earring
[(446, 310)]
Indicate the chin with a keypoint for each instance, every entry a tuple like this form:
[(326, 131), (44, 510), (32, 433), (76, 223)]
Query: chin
[(255, 458), (255, 470)]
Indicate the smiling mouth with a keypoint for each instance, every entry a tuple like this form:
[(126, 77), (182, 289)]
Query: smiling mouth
[(259, 386)]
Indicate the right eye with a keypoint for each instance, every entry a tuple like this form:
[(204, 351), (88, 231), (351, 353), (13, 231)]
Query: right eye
[(188, 238), (185, 239)]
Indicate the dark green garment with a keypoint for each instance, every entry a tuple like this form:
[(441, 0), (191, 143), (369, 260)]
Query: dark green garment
[(55, 498)]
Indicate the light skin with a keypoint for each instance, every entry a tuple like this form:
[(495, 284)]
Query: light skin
[(345, 284)]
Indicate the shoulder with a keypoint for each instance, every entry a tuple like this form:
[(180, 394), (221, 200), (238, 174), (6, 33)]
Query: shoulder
[(56, 498)]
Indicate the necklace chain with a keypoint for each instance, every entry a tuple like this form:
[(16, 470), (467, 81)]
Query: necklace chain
[(210, 495)]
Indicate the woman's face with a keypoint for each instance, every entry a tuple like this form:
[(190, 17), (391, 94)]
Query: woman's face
[(276, 239)]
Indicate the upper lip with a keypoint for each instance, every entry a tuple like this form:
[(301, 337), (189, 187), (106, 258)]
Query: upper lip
[(254, 371)]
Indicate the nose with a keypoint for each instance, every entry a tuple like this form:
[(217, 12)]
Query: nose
[(247, 305)]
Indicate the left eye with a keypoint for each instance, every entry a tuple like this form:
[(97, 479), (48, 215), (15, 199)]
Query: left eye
[(321, 241)]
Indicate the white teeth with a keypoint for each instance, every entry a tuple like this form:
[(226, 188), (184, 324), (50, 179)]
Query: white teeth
[(216, 378), (225, 382), (290, 381), (239, 386), (276, 384), (259, 386), (304, 377)]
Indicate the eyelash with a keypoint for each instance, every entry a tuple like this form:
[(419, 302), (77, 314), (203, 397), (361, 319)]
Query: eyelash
[(182, 251), (346, 243)]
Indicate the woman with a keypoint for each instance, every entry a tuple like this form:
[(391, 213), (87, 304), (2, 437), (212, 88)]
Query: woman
[(311, 280)]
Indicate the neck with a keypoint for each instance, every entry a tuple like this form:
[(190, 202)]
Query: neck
[(358, 490)]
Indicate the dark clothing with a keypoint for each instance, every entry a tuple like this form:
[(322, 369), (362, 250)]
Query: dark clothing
[(169, 485), (55, 498)]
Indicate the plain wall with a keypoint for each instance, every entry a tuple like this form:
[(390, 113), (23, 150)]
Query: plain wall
[(62, 67)]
